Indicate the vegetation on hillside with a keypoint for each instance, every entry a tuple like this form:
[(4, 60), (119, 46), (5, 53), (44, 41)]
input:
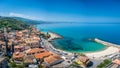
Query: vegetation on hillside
[(12, 24), (29, 21)]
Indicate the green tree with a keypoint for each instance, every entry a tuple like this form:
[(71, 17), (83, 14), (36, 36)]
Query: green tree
[(13, 64), (39, 66), (104, 63)]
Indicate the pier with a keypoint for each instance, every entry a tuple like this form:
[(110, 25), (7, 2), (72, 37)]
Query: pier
[(106, 43)]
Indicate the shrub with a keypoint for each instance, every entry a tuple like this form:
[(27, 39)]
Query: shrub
[(13, 64), (104, 63)]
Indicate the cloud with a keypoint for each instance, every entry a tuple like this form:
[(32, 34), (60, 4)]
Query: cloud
[(22, 15)]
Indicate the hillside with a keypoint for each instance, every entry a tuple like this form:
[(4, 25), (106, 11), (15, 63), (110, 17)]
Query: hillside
[(12, 23), (29, 21)]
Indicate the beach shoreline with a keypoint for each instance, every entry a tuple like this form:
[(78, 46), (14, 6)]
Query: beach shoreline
[(103, 53), (109, 51), (54, 36), (111, 48)]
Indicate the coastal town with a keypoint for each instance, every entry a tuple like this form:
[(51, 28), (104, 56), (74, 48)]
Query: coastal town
[(59, 33), (25, 46), (28, 49)]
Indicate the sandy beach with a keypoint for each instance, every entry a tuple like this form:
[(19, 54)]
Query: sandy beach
[(108, 52), (104, 53)]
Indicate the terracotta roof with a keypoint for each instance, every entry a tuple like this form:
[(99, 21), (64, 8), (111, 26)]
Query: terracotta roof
[(18, 55), (52, 59), (42, 55), (34, 50)]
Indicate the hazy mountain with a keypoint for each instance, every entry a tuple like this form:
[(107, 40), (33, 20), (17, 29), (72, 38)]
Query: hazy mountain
[(29, 21)]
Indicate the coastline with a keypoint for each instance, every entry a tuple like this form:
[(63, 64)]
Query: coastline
[(102, 54), (109, 51), (54, 36)]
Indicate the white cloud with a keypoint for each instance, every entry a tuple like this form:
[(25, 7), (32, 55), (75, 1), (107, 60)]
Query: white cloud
[(22, 15)]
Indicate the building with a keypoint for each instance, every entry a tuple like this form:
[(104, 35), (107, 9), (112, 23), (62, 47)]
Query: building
[(3, 63), (1, 36), (18, 56), (33, 42), (116, 61), (115, 64), (83, 61), (53, 60), (34, 51), (40, 56), (48, 58), (30, 61), (19, 48)]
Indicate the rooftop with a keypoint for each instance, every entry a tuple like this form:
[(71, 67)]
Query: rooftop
[(116, 61), (1, 42), (29, 59), (18, 55), (18, 46), (83, 58), (34, 50), (52, 59), (42, 55)]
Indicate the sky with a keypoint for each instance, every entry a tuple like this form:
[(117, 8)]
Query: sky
[(63, 10)]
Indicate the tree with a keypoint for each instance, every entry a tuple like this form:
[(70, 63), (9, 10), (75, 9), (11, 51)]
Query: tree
[(39, 66), (104, 63), (13, 64)]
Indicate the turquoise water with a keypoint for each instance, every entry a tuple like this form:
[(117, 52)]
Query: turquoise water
[(76, 35)]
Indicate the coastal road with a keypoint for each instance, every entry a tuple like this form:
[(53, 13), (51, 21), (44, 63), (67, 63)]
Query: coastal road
[(48, 46)]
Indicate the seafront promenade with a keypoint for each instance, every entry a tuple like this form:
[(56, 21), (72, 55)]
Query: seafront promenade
[(67, 56)]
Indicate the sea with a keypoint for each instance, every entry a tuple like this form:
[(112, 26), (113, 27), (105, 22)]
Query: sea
[(77, 36)]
